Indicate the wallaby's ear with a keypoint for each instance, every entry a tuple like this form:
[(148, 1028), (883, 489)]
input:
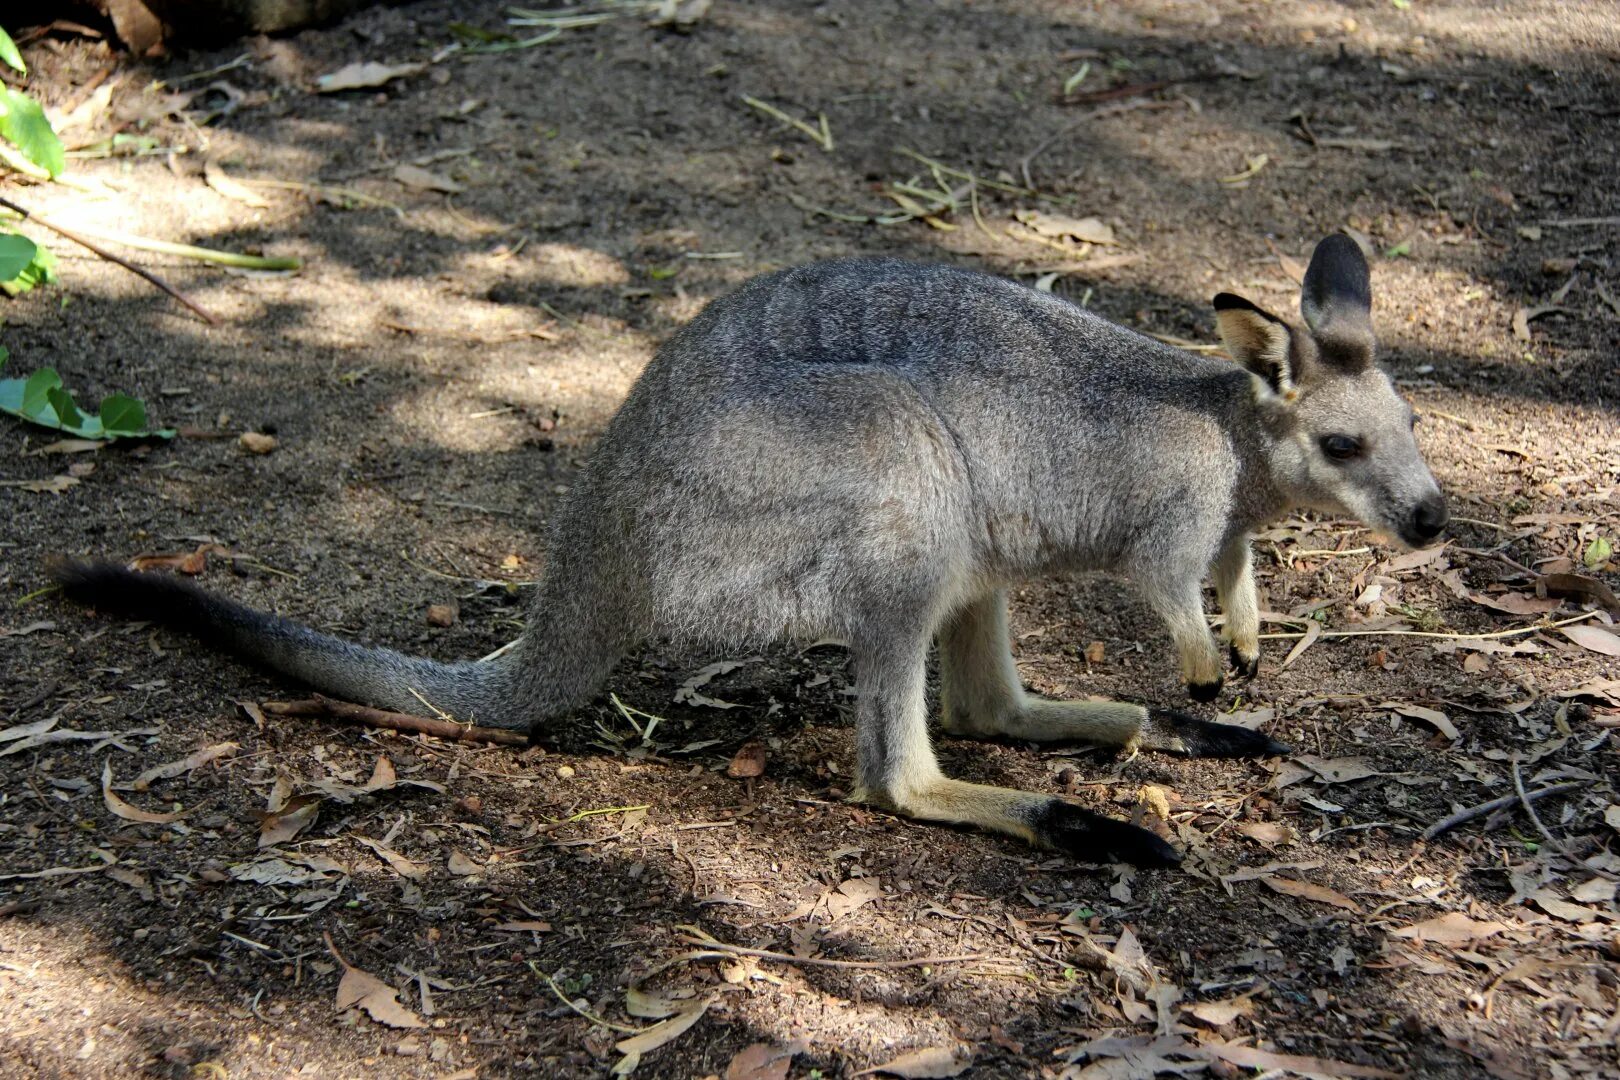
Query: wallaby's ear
[(1258, 340), (1336, 301)]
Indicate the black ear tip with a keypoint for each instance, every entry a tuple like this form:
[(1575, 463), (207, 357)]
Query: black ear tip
[(1342, 244), (1232, 302)]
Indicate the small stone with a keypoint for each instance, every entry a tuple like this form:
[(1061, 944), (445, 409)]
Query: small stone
[(565, 772), (256, 442), (442, 614), (409, 1047)]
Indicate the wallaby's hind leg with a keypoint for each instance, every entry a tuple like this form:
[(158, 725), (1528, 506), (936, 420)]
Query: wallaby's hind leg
[(898, 770), (589, 611), (983, 698), (1234, 588)]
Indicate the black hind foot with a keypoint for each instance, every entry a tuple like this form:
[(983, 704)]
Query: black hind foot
[(1177, 733), (1091, 837)]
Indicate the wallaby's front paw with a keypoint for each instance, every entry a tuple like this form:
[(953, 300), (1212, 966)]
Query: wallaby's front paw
[(1178, 733), (1245, 667), (1092, 837), (1205, 691)]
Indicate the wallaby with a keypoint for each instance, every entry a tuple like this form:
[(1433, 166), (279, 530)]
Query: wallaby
[(874, 450)]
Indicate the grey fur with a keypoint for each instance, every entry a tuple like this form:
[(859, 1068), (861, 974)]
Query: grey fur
[(873, 450)]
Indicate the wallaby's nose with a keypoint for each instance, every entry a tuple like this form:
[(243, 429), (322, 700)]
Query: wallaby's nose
[(1430, 517)]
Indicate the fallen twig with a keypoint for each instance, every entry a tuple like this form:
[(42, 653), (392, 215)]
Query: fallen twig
[(1113, 93), (1290, 634), (713, 948), (1462, 817), (395, 721), (102, 252), (1535, 818)]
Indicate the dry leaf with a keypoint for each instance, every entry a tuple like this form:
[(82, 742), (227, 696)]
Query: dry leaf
[(365, 990), (24, 731), (124, 810), (687, 692), (54, 486), (1515, 603), (649, 1006), (1578, 587), (1252, 167), (70, 446), (1440, 721), (762, 1061), (749, 761), (1337, 770), (1088, 230), (186, 764), (286, 870), (1266, 833), (1559, 908), (442, 615), (1611, 816), (256, 442), (522, 926), (24, 631), (191, 563), (402, 866), (1218, 1014), (461, 865), (1313, 632), (288, 820), (1250, 1057), (1452, 929), (1413, 559), (1523, 317), (1370, 146), (216, 178), (419, 179), (929, 1062), (362, 76), (1292, 268), (657, 1035), (1594, 638), (383, 775), (850, 895), (1094, 652), (1306, 890)]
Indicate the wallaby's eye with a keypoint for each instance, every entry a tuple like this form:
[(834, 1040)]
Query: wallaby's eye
[(1341, 447)]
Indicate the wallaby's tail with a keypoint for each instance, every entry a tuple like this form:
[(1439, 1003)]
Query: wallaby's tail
[(471, 692)]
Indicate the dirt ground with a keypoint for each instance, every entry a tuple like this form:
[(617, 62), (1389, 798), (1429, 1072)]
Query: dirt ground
[(435, 378)]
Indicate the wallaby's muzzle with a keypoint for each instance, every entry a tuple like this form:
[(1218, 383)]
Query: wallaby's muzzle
[(1427, 521)]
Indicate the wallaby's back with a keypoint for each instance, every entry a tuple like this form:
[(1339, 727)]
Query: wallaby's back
[(805, 453)]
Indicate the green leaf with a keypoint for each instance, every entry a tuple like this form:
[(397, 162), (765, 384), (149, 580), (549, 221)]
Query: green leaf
[(1597, 552), (123, 415), (1402, 248), (23, 123), (16, 252), (36, 391), (9, 53), (67, 410)]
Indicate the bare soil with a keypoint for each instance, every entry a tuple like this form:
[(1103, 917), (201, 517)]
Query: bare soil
[(435, 378)]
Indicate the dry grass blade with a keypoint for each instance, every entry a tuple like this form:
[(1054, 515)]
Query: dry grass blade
[(820, 134)]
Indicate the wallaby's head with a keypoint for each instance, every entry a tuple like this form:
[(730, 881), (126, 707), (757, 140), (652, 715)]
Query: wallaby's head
[(1347, 443)]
